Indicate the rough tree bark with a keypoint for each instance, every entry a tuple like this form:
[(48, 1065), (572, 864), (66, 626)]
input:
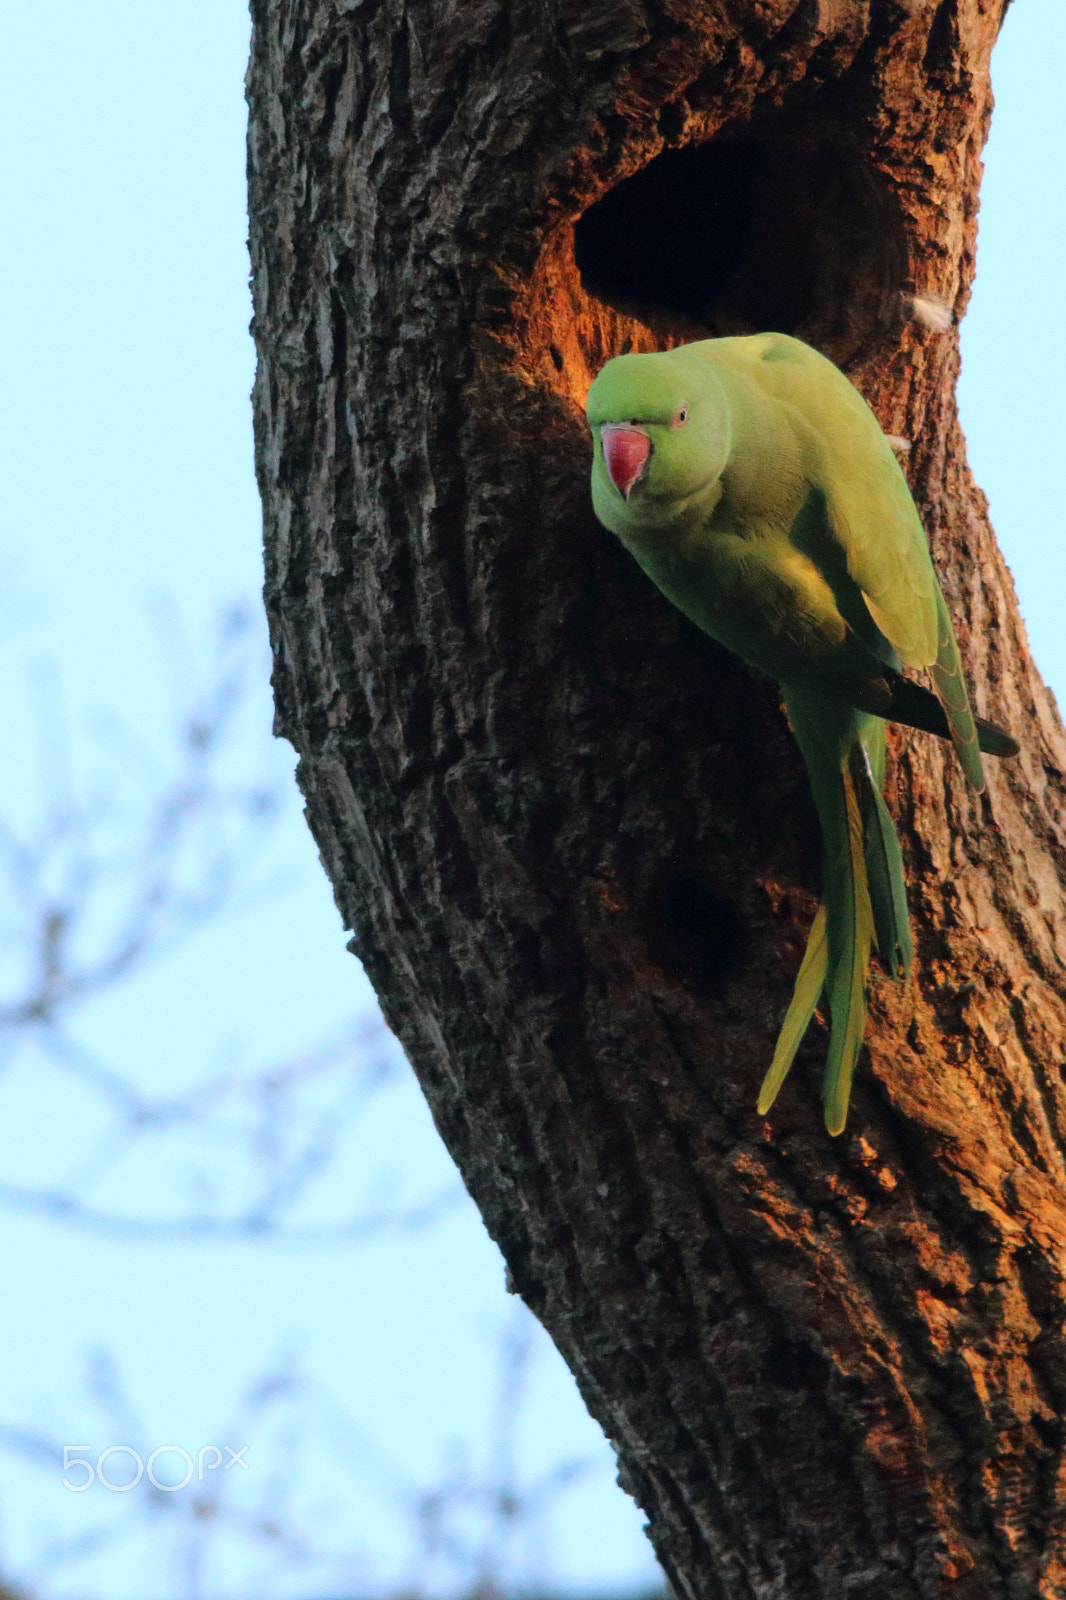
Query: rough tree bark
[(573, 838)]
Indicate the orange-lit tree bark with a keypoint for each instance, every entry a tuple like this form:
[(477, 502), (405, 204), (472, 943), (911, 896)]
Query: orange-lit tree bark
[(573, 839)]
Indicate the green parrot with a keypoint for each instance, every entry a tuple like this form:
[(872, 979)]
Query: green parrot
[(755, 487)]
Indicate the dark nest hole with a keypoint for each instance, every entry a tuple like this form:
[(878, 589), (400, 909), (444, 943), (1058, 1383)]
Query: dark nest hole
[(694, 930), (748, 236)]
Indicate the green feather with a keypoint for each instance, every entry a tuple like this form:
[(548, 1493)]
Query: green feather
[(806, 995), (850, 926), (884, 861), (831, 739)]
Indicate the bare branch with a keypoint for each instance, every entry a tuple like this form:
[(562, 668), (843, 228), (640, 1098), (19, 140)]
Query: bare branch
[(116, 871), (138, 846)]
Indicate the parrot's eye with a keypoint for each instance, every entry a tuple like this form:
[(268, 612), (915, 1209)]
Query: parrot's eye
[(681, 418)]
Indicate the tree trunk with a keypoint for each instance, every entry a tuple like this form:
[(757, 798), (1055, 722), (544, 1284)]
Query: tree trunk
[(573, 838)]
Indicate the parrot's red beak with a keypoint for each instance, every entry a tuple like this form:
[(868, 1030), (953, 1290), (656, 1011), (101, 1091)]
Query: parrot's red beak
[(625, 450)]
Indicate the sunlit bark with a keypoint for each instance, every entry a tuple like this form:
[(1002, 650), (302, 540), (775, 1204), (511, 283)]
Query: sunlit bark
[(573, 839)]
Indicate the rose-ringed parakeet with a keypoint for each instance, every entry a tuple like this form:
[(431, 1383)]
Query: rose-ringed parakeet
[(755, 487)]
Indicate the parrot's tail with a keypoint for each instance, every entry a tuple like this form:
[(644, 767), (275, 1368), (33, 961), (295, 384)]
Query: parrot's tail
[(863, 899)]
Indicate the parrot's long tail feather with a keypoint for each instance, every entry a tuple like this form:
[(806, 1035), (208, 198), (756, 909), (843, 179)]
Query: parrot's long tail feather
[(810, 980), (850, 929), (863, 902), (884, 862)]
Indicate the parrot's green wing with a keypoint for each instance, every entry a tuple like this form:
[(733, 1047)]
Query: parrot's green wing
[(951, 687), (871, 515)]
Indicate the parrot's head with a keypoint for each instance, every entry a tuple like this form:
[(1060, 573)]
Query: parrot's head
[(660, 435)]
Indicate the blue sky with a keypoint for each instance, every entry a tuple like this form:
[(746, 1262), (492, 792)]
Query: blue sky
[(1013, 334), (126, 477)]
